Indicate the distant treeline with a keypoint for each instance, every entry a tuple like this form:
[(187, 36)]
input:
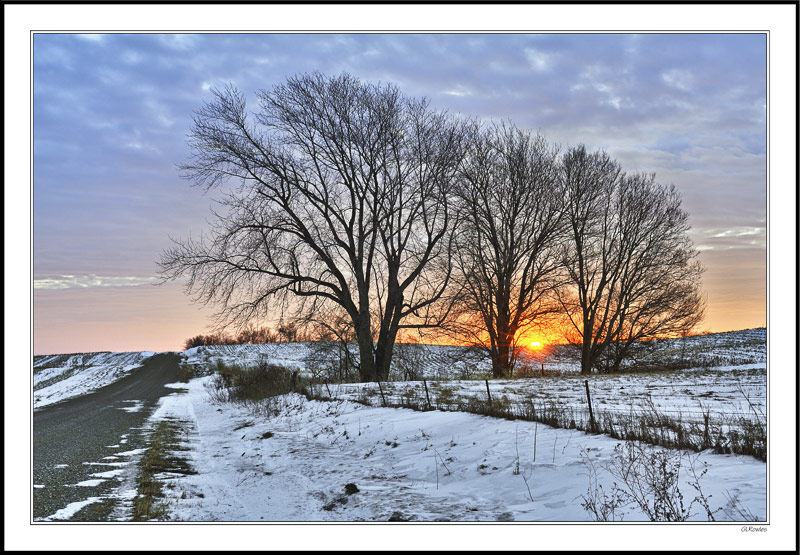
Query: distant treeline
[(285, 333)]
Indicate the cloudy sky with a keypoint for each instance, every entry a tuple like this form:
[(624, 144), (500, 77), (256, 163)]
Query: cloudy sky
[(111, 113)]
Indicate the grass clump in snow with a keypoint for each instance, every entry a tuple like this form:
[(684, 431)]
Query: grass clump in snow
[(238, 384), (185, 373), (159, 458)]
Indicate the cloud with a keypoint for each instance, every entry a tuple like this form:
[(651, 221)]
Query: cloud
[(740, 232), (93, 37), (739, 238), (540, 61), (458, 91), (90, 281), (678, 78)]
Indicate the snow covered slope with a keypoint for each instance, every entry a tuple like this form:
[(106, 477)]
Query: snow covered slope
[(59, 377), (727, 349), (342, 461), (440, 361)]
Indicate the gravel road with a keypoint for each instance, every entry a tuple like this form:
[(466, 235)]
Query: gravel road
[(77, 439)]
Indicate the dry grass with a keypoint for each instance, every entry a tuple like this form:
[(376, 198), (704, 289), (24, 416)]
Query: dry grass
[(160, 457)]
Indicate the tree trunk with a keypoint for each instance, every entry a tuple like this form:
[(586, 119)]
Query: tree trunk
[(383, 358), (389, 326), (586, 354), (366, 365), (501, 353), (587, 360), (501, 357), (620, 353), (501, 362)]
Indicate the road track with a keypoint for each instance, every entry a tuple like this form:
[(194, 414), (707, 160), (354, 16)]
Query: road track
[(93, 428)]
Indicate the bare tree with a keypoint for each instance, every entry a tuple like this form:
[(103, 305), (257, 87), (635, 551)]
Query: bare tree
[(342, 200), (659, 290), (510, 202), (590, 180), (632, 267)]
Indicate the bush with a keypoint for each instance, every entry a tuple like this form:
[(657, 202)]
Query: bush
[(235, 383), (185, 373), (408, 361), (228, 374), (265, 380)]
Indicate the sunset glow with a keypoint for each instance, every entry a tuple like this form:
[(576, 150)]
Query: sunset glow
[(541, 338), (537, 341)]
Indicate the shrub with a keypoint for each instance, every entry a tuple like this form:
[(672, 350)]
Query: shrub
[(408, 361), (265, 380), (526, 371), (235, 383), (185, 373)]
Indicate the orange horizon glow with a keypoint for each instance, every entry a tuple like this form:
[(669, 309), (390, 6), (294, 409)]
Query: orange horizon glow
[(146, 318), (83, 338)]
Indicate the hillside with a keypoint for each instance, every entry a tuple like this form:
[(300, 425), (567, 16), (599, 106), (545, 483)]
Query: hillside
[(57, 377)]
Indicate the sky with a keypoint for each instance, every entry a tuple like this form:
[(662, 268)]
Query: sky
[(111, 113)]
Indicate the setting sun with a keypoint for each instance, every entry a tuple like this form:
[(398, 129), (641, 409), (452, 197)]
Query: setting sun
[(537, 341)]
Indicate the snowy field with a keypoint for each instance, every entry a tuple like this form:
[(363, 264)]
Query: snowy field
[(723, 390), (59, 377), (728, 397), (349, 458), (442, 361), (409, 465), (736, 349)]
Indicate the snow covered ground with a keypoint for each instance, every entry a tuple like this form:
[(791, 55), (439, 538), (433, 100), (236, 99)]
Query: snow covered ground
[(306, 463), (745, 348), (60, 377), (442, 361), (727, 395), (723, 390)]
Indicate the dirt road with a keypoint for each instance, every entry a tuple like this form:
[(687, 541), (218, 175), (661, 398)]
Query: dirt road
[(83, 446)]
